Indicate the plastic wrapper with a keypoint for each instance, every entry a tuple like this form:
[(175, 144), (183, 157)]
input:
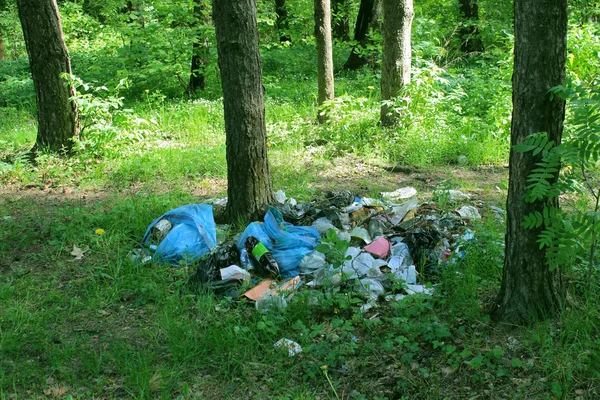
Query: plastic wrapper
[(400, 256), (361, 233), (468, 213), (312, 262), (292, 347), (400, 211), (372, 287), (271, 303), (361, 264), (400, 194)]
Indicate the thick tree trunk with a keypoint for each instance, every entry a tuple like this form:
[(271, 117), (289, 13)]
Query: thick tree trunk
[(282, 22), (2, 51), (48, 59), (249, 184), (469, 32), (530, 290), (340, 25), (395, 73), (200, 49), (324, 53), (369, 15)]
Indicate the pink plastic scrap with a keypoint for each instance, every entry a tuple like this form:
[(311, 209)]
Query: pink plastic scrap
[(380, 247)]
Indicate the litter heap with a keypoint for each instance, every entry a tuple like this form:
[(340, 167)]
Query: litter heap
[(360, 243)]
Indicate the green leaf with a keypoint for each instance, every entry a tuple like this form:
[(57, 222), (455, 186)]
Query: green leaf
[(498, 352), (323, 248), (516, 363), (557, 389)]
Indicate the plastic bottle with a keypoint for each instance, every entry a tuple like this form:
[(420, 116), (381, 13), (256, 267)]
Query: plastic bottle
[(270, 303), (261, 255)]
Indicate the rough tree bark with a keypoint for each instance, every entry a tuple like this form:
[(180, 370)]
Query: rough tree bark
[(469, 31), (395, 72), (282, 22), (340, 25), (48, 59), (249, 185), (324, 53), (200, 49), (530, 290), (369, 15)]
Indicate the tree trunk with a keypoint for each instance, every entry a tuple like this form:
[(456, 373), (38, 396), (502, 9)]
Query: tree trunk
[(530, 290), (324, 53), (369, 14), (2, 51), (469, 31), (282, 22), (48, 59), (340, 24), (200, 49), (395, 72), (249, 184)]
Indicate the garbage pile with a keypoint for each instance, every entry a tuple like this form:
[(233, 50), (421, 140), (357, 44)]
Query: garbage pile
[(366, 244)]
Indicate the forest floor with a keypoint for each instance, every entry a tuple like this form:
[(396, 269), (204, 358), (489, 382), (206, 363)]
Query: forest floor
[(96, 324)]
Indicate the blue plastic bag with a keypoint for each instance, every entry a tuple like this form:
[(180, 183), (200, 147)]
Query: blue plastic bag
[(288, 243), (193, 235)]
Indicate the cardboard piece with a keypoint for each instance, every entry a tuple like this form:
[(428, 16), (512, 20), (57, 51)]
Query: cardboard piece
[(269, 286)]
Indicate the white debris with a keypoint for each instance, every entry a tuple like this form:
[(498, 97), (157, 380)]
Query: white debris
[(292, 347), (468, 212)]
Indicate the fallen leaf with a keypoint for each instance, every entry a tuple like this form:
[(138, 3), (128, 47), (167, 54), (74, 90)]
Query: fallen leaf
[(78, 253), (56, 391)]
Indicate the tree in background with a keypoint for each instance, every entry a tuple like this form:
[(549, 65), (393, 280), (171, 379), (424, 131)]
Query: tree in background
[(469, 31), (249, 184), (395, 72), (530, 290), (48, 60), (369, 15), (282, 23), (340, 21), (2, 51), (324, 53), (200, 48)]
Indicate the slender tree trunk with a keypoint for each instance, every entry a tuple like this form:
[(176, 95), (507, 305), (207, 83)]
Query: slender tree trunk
[(249, 184), (340, 24), (395, 73), (282, 22), (469, 32), (200, 49), (530, 290), (324, 53), (48, 59), (2, 51), (369, 15)]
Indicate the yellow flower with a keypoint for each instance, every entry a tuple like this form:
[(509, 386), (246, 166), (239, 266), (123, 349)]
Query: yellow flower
[(99, 231)]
